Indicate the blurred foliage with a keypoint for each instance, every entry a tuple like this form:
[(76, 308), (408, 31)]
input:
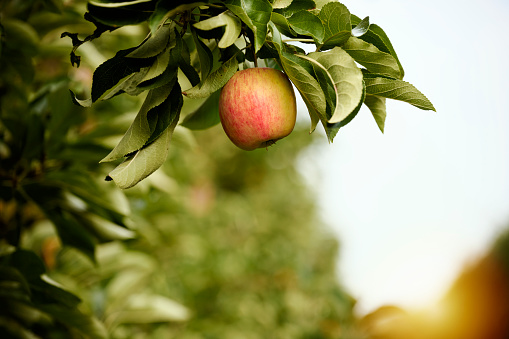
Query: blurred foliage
[(219, 243)]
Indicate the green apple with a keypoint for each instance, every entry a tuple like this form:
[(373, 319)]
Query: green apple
[(257, 107)]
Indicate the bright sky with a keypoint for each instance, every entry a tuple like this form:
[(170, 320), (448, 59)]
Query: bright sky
[(412, 206)]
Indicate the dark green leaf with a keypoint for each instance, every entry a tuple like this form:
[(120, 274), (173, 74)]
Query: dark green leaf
[(165, 10), (112, 71), (180, 54), (206, 116), (131, 14), (162, 116), (86, 324), (215, 81), (141, 129), (204, 55)]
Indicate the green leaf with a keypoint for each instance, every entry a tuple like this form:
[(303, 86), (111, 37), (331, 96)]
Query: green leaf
[(231, 23), (148, 308), (140, 130), (144, 162), (155, 44), (332, 129), (396, 89), (335, 18), (87, 325), (282, 24), (207, 115), (376, 36), (180, 54), (346, 77), (158, 67), (162, 116), (306, 23), (215, 81), (112, 71), (372, 58), (168, 9), (204, 55), (255, 14), (293, 7), (72, 232), (361, 28), (107, 230), (299, 72), (377, 106), (278, 4)]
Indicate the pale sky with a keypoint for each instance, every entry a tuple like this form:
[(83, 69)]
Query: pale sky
[(412, 206)]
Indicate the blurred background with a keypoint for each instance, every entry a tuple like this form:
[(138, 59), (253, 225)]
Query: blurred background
[(415, 205), (395, 235)]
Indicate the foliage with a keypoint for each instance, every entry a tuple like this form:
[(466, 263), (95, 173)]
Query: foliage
[(206, 42), (218, 243)]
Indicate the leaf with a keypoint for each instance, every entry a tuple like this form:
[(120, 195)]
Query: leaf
[(87, 325), (377, 37), (377, 106), (346, 77), (125, 14), (332, 129), (255, 14), (158, 67), (115, 4), (140, 130), (372, 58), (306, 84), (281, 3), (180, 55), (107, 230), (282, 24), (112, 71), (292, 7), (207, 115), (155, 44), (144, 162), (204, 55), (215, 81), (335, 18), (306, 23), (398, 90), (162, 116), (231, 23), (361, 28), (168, 9), (148, 308)]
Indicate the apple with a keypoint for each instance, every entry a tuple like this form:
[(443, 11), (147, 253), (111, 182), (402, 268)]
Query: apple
[(257, 107)]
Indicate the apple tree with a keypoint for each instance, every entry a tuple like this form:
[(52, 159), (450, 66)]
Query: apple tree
[(193, 48)]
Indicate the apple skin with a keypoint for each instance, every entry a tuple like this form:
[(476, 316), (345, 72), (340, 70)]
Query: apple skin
[(257, 107)]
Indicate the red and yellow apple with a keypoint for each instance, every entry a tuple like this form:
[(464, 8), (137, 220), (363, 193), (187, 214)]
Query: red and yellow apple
[(257, 107)]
